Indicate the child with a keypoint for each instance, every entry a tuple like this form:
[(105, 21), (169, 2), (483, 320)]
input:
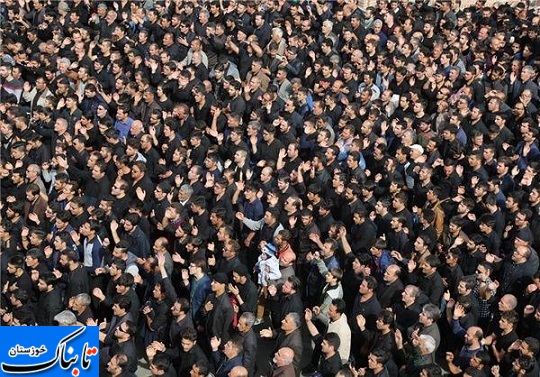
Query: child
[(268, 265), (268, 268)]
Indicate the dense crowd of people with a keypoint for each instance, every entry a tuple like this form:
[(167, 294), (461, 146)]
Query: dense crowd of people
[(359, 185)]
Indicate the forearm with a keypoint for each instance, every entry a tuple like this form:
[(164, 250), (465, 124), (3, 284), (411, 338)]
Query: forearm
[(312, 329)]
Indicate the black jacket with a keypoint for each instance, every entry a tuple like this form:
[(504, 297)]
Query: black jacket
[(49, 304)]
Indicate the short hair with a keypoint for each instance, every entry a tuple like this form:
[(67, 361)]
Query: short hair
[(432, 312), (429, 342), (48, 277), (469, 281), (371, 282), (433, 261), (433, 370), (123, 302), (296, 319), (249, 318), (510, 316), (333, 340), (238, 343), (66, 317), (381, 355), (340, 305), (336, 272), (25, 316), (162, 361), (199, 262), (534, 345), (189, 333), (386, 316), (83, 298), (126, 279)]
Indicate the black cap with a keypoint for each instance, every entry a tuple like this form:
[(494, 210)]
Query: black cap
[(220, 278), (241, 270)]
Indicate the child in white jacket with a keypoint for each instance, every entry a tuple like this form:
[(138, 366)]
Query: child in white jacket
[(268, 265)]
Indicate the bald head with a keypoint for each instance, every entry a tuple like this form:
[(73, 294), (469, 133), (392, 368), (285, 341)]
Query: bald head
[(284, 356), (392, 273), (239, 371), (508, 302)]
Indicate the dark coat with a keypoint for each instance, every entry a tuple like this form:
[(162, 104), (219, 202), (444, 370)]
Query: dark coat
[(219, 319), (49, 304)]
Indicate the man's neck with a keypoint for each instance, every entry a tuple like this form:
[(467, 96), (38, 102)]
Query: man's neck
[(366, 296), (180, 317), (378, 369), (198, 276)]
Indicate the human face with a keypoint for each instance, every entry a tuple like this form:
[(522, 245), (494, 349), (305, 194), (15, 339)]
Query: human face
[(128, 226), (287, 288), (364, 287), (419, 245), (242, 326), (136, 172), (357, 266), (426, 268), (519, 256), (424, 318), (156, 292), (287, 323), (117, 310), (214, 285), (187, 344), (229, 349), (112, 366), (192, 269), (329, 278)]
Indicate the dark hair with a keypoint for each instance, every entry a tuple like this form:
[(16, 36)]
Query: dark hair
[(162, 361), (126, 279), (123, 302), (340, 305), (333, 340), (371, 282)]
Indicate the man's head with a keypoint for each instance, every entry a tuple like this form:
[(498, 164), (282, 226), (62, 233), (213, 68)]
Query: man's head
[(283, 357), (330, 343), (233, 347), (291, 322)]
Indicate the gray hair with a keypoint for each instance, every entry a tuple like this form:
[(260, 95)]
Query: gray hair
[(83, 298), (432, 312), (428, 343), (186, 189), (529, 69), (410, 133), (296, 319), (249, 318), (66, 318), (35, 168), (414, 290), (65, 61), (329, 23), (278, 31), (255, 125)]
